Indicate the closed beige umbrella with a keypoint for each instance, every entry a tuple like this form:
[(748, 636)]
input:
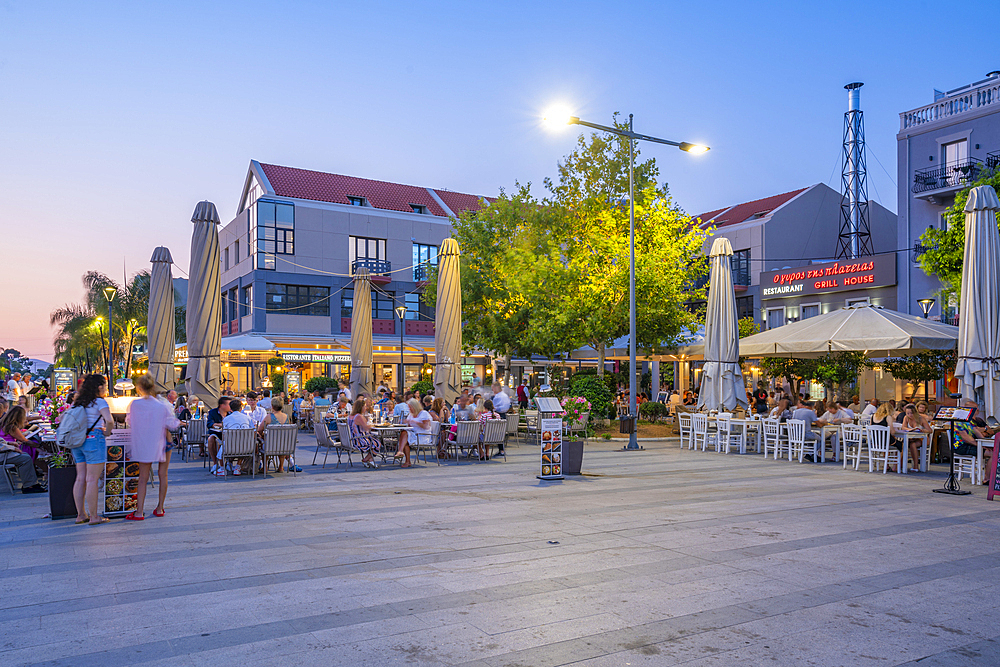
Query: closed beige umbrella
[(160, 321), (361, 335), (204, 307), (448, 324), (722, 385)]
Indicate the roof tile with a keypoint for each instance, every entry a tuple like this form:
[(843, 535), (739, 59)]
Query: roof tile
[(741, 212)]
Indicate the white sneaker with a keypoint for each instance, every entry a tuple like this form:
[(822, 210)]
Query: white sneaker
[(214, 469), (236, 468)]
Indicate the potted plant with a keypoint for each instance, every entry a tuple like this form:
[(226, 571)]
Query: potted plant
[(576, 410), (62, 477)]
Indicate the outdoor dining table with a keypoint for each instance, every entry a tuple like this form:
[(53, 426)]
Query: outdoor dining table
[(746, 424), (924, 439)]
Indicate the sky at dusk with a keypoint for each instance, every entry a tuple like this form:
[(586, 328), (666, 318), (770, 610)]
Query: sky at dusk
[(117, 118)]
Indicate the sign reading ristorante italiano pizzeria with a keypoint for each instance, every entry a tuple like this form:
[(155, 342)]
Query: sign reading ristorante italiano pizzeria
[(839, 276), (317, 358)]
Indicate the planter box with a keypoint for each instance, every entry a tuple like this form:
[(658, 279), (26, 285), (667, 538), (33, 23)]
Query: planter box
[(61, 502), (572, 452)]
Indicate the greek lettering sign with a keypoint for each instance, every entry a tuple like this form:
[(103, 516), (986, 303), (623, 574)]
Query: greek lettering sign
[(316, 358), (839, 276)]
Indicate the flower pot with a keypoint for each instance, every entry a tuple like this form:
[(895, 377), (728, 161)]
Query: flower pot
[(572, 456), (61, 502)]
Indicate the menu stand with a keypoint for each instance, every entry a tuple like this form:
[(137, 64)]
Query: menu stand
[(121, 482), (550, 431), (952, 415)]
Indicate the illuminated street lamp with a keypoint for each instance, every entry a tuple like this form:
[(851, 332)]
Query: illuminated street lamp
[(558, 118), (109, 293), (926, 305), (401, 312)]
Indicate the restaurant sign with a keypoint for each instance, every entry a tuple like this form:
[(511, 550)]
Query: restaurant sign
[(839, 276), (315, 358)]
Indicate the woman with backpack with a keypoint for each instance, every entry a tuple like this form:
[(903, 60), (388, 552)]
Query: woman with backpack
[(91, 456)]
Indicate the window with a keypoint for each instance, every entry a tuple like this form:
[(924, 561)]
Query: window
[(357, 201), (775, 317), (740, 262), (956, 151), (298, 300), (272, 224), (369, 252), (859, 302), (245, 303), (226, 260), (236, 252), (424, 257), (418, 208), (417, 309), (231, 302), (810, 310), (382, 305), (744, 307)]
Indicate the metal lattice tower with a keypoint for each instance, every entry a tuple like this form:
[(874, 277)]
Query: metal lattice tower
[(855, 235)]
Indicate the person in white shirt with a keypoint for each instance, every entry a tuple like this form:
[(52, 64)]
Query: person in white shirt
[(871, 408), (235, 419), (501, 401), (257, 413), (346, 390), (14, 387), (476, 382)]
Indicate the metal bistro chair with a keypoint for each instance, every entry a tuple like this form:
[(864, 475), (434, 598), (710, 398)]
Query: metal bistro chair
[(239, 443), (684, 426), (513, 420), (494, 432), (852, 444), (280, 440), (345, 437), (879, 449), (194, 435), (8, 472), (323, 439), (466, 436), (530, 423), (423, 442)]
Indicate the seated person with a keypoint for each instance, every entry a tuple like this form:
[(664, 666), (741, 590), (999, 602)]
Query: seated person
[(362, 439), (782, 410), (420, 421), (836, 413), (276, 416), (234, 420), (213, 433), (966, 434), (339, 410), (11, 441), (804, 411), (401, 409), (486, 414), (883, 417)]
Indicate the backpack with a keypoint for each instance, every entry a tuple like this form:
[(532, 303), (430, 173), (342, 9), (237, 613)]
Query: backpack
[(73, 429)]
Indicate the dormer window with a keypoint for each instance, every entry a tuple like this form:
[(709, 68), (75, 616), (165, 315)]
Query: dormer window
[(357, 201), (418, 208)]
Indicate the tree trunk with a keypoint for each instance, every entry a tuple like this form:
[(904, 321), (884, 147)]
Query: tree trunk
[(600, 360)]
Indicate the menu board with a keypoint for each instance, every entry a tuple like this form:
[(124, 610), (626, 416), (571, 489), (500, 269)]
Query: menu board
[(121, 476), (950, 413), (550, 434)]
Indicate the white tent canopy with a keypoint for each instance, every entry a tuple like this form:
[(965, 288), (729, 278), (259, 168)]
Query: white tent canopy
[(870, 329)]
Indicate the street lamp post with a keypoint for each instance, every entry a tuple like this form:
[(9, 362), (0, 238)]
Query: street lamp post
[(632, 137), (109, 293), (926, 305), (401, 312)]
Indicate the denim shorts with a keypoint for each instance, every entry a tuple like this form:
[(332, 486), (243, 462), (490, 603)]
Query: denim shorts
[(93, 449)]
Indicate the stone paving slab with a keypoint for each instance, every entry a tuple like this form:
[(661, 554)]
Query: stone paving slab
[(659, 557)]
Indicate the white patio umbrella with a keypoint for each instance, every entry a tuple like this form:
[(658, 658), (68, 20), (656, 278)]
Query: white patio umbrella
[(160, 321), (978, 367), (448, 324), (361, 335), (204, 307), (722, 385), (877, 331)]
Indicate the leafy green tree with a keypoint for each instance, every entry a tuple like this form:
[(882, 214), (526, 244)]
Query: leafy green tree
[(796, 371), (13, 361), (921, 367), (946, 247), (748, 327), (838, 369)]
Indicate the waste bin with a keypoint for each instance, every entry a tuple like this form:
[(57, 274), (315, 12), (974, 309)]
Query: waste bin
[(626, 424), (572, 455)]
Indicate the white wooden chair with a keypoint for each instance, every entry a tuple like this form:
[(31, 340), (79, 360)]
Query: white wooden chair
[(983, 458), (966, 465), (239, 443), (798, 445), (280, 440), (852, 444), (193, 436), (699, 431), (880, 452), (774, 441), (726, 438), (864, 421), (684, 426)]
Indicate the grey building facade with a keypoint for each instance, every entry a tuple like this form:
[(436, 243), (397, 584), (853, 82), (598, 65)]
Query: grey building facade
[(942, 147)]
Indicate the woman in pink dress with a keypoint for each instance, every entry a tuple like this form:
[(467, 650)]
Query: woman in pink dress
[(150, 421)]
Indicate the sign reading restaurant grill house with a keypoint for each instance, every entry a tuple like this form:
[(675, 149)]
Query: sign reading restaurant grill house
[(839, 276)]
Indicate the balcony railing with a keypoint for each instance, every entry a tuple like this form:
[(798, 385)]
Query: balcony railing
[(993, 160), (956, 102), (741, 277), (951, 175), (376, 267)]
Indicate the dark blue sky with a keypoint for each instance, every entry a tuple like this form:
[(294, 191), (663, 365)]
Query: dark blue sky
[(118, 117)]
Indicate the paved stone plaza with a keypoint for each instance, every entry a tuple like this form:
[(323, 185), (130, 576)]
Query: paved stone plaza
[(659, 557)]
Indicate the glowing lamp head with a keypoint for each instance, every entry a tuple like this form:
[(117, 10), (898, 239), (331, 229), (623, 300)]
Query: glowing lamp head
[(558, 117), (109, 292), (694, 149)]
